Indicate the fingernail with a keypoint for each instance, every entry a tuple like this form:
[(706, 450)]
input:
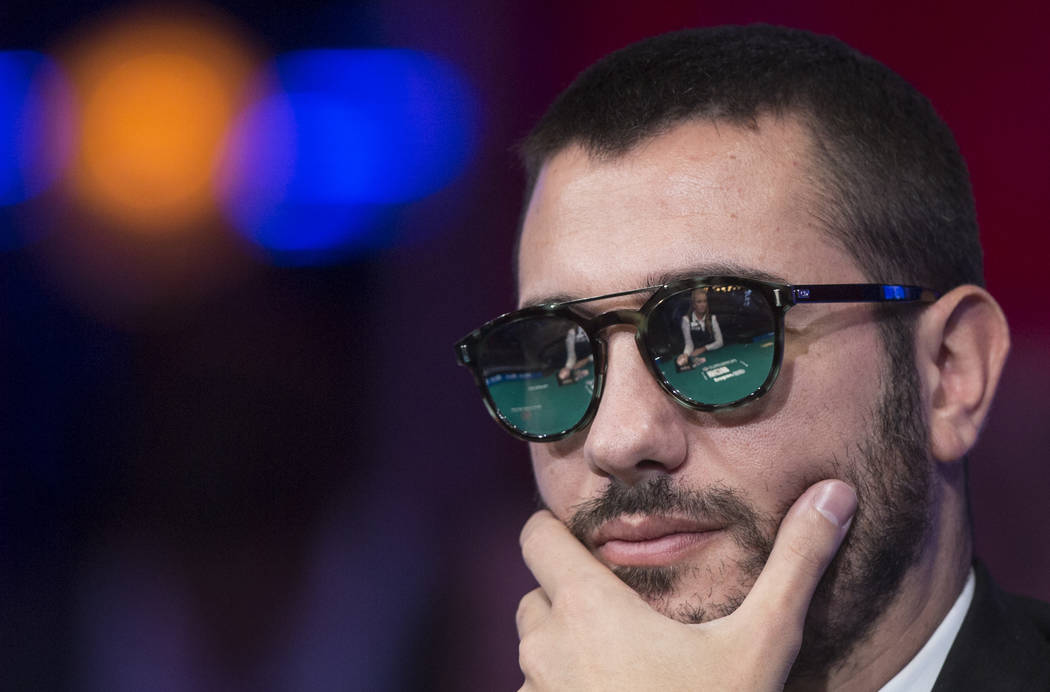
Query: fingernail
[(837, 502)]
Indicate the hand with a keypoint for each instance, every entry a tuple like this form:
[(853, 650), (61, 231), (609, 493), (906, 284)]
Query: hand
[(584, 629), (681, 360)]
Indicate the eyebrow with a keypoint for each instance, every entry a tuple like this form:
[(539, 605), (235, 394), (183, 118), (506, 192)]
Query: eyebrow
[(716, 269), (656, 280)]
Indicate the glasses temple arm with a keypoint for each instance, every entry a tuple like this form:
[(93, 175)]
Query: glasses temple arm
[(861, 293)]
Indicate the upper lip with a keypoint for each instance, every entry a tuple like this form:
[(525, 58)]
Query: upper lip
[(646, 528)]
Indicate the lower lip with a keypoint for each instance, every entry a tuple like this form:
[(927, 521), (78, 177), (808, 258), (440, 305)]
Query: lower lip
[(658, 551)]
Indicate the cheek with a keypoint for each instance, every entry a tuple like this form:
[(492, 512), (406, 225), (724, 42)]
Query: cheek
[(842, 385), (819, 410), (552, 481), (834, 391), (563, 481)]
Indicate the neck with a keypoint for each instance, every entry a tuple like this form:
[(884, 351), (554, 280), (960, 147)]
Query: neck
[(926, 594)]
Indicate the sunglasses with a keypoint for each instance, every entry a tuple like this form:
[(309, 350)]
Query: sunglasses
[(711, 343)]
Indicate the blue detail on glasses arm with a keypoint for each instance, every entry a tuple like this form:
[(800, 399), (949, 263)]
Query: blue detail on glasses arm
[(861, 293), (894, 293)]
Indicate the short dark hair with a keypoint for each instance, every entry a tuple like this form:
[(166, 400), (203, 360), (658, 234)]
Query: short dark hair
[(892, 187)]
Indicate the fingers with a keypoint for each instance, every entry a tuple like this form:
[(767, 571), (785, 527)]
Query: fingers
[(533, 609), (556, 558), (808, 539)]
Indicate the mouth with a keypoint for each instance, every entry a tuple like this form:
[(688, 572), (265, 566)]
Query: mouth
[(647, 541)]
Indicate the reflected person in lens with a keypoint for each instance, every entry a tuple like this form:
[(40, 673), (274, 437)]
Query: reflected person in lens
[(700, 332), (575, 367)]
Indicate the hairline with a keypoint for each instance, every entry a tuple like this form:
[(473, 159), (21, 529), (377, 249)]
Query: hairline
[(820, 199)]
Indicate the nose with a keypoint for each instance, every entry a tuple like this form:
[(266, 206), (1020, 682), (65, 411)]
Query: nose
[(638, 431)]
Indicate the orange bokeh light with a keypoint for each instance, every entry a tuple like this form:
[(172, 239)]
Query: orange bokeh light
[(156, 99)]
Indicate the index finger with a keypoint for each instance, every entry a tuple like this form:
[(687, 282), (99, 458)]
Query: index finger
[(555, 557)]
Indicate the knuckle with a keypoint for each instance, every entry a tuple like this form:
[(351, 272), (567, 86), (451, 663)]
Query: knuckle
[(535, 527), (529, 540), (519, 615), (524, 606), (528, 655)]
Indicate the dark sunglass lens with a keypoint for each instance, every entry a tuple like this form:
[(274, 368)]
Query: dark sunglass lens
[(714, 345), (539, 372)]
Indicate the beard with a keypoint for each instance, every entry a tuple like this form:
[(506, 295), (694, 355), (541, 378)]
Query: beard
[(751, 532), (890, 473)]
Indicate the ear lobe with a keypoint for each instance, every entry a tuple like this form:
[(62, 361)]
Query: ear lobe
[(961, 347)]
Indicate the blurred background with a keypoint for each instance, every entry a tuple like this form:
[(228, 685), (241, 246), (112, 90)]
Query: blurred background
[(237, 242)]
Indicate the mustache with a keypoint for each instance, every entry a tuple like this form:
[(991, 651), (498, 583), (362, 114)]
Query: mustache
[(661, 497)]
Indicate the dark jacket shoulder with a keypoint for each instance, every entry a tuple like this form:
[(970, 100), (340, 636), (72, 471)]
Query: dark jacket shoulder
[(1003, 644)]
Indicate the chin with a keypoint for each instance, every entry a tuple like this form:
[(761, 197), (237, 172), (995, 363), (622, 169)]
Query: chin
[(689, 593)]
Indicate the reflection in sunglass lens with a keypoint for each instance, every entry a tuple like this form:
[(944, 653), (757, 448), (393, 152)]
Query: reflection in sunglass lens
[(714, 344), (539, 373)]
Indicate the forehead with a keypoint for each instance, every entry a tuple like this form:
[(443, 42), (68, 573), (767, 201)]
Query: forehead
[(704, 194)]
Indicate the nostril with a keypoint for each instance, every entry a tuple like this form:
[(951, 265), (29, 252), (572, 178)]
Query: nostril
[(650, 465)]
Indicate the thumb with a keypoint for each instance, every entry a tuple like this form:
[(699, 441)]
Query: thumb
[(808, 539)]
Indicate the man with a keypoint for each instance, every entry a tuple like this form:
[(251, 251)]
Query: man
[(798, 519)]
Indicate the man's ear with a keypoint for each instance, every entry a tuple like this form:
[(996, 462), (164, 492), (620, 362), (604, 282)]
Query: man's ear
[(961, 346)]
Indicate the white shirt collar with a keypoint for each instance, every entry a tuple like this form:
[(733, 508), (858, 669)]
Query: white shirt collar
[(922, 671)]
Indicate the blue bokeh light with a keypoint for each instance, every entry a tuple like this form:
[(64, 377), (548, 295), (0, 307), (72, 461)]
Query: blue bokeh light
[(28, 159), (35, 131), (315, 165)]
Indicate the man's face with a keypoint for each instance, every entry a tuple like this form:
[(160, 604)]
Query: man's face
[(684, 505)]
